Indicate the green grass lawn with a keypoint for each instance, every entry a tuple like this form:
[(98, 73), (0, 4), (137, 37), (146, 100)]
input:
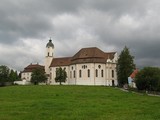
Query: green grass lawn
[(75, 103)]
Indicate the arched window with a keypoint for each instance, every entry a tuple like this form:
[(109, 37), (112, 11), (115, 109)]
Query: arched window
[(80, 73), (112, 73), (101, 73), (96, 73), (74, 73), (70, 74), (50, 75), (88, 73)]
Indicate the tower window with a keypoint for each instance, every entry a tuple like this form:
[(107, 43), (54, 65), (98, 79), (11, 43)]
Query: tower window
[(48, 53)]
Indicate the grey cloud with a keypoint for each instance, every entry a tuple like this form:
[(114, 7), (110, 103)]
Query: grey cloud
[(73, 24), (119, 7)]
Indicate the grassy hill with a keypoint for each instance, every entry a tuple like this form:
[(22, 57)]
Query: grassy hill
[(75, 103)]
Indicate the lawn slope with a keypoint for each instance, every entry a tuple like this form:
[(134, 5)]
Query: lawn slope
[(75, 103)]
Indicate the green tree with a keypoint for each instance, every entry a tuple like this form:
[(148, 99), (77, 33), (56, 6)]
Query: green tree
[(148, 79), (13, 76), (61, 75), (4, 73), (125, 66), (38, 75)]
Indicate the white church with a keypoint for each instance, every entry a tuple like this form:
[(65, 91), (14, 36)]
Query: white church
[(89, 66)]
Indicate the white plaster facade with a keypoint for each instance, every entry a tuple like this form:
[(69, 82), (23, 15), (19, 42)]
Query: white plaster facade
[(26, 76), (89, 66)]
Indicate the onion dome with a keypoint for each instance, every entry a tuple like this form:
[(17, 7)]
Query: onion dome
[(50, 44)]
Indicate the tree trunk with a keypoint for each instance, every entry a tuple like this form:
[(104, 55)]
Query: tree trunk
[(60, 82)]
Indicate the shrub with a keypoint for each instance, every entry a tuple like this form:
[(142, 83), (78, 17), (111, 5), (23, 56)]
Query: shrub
[(148, 79)]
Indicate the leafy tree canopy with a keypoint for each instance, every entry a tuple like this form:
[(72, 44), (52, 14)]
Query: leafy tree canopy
[(125, 66), (8, 75), (4, 73), (148, 79), (38, 75), (61, 75)]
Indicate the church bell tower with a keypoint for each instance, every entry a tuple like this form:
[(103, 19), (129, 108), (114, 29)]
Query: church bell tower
[(48, 56)]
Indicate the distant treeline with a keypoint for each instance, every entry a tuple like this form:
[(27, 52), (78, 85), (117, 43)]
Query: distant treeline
[(8, 75)]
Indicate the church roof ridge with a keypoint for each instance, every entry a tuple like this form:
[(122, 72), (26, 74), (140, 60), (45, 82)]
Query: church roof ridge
[(84, 55)]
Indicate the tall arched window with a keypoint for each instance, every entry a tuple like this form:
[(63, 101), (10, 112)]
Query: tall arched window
[(70, 74), (96, 73), (88, 73), (80, 73), (50, 75), (74, 73), (112, 73), (101, 73)]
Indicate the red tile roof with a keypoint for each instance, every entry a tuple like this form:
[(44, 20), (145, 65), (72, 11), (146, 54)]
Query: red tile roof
[(85, 55), (133, 75), (31, 67), (61, 61)]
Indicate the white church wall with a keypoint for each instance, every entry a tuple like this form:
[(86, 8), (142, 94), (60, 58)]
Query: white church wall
[(111, 74), (104, 74), (72, 75), (53, 74), (99, 74), (84, 78)]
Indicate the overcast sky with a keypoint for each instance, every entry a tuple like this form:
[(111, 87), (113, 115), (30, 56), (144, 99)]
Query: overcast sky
[(27, 25)]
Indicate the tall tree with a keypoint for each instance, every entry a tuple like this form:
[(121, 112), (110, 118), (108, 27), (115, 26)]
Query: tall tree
[(4, 73), (61, 75), (125, 66), (38, 75)]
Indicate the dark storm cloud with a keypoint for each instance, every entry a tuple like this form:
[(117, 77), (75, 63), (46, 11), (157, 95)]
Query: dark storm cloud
[(30, 19)]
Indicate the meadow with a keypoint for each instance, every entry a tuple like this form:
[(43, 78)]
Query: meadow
[(76, 103)]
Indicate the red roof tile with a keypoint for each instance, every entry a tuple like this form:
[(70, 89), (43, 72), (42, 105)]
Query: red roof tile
[(133, 75), (85, 55), (61, 62), (31, 67)]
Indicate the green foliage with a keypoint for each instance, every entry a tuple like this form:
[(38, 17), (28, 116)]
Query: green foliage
[(13, 76), (7, 75), (125, 66), (38, 75), (148, 79), (61, 75), (75, 103), (4, 73)]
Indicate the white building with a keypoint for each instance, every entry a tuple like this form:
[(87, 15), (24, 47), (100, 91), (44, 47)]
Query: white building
[(27, 72), (89, 66)]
